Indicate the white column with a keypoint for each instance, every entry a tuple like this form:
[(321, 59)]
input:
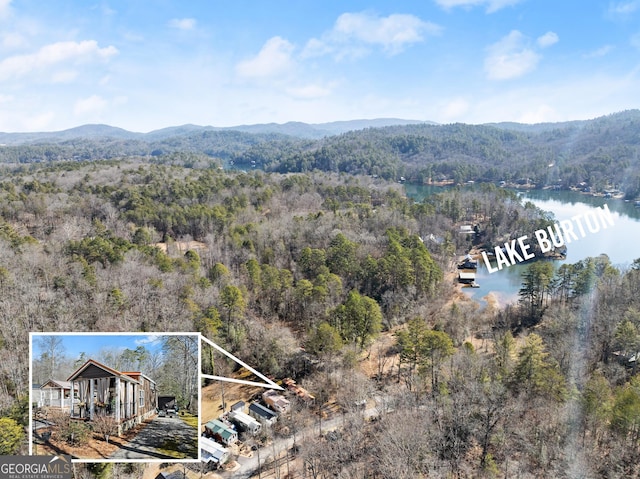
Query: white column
[(118, 400), (126, 402), (72, 398), (91, 392), (129, 404), (136, 399)]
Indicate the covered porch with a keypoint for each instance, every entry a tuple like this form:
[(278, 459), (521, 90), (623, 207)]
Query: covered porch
[(56, 394), (103, 391)]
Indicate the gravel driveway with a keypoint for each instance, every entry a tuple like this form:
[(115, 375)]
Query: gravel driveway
[(162, 434)]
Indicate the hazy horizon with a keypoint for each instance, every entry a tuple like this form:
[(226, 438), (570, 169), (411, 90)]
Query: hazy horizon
[(143, 67)]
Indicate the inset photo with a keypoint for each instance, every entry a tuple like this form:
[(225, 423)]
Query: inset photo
[(125, 397)]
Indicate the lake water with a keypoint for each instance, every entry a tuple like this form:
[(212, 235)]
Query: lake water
[(621, 242)]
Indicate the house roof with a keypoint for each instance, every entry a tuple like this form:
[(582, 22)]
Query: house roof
[(262, 411), (298, 390), (93, 369), (272, 398), (54, 383), (170, 475), (212, 449), (242, 417), (221, 428), (138, 374)]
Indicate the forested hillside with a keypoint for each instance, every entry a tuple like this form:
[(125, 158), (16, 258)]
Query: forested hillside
[(347, 286), (599, 154), (602, 153)]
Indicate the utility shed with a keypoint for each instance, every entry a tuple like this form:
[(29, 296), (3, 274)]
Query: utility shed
[(262, 413), (221, 432), (212, 451), (245, 422)]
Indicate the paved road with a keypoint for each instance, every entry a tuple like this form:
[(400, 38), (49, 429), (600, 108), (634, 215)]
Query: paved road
[(249, 465), (161, 433)]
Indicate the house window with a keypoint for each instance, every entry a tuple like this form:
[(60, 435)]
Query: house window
[(141, 398)]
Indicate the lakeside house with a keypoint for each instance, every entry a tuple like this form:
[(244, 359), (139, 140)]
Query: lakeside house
[(466, 277)]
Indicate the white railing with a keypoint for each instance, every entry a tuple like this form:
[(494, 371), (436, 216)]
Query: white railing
[(53, 402)]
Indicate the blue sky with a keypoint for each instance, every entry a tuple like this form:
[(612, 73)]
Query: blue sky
[(93, 343), (144, 65)]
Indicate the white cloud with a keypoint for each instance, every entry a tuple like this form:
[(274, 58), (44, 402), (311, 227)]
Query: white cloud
[(150, 339), (4, 8), (273, 59), (90, 106), (455, 109), (121, 100), (599, 52), (540, 114), (624, 8), (392, 32), (510, 58), (459, 3), (56, 53), (182, 23), (311, 91), (38, 122), (64, 76), (574, 96), (5, 98), (491, 5), (107, 11), (13, 40), (548, 39), (316, 48), (353, 33)]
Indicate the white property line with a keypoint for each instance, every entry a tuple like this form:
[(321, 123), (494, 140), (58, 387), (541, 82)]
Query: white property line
[(267, 384)]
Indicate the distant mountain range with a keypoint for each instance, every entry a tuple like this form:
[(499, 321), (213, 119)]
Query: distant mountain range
[(600, 154), (294, 129)]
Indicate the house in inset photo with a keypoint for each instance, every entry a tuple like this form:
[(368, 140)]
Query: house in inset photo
[(128, 397), (103, 402)]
